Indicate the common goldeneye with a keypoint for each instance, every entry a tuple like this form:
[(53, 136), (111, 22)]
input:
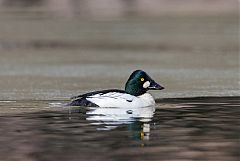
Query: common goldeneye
[(134, 95)]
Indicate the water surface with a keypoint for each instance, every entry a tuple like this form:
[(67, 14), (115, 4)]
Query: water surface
[(176, 129), (45, 56)]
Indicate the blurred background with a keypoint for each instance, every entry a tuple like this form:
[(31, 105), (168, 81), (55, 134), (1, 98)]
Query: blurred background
[(54, 49)]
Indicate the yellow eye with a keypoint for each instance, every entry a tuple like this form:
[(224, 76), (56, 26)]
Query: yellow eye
[(142, 79)]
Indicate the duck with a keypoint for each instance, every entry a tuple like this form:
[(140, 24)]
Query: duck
[(135, 94)]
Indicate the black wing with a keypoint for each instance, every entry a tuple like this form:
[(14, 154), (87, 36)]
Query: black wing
[(81, 100)]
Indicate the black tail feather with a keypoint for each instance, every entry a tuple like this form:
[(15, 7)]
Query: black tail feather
[(82, 102)]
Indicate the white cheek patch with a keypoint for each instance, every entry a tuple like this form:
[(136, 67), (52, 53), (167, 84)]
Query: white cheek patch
[(146, 84)]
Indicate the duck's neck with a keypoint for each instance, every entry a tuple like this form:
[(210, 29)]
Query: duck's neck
[(133, 89)]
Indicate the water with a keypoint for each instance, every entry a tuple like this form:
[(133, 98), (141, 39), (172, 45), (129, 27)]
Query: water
[(176, 129), (47, 56)]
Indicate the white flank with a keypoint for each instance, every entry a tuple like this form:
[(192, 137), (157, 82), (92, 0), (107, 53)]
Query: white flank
[(115, 99)]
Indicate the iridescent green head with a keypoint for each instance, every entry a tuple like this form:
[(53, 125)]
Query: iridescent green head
[(139, 83)]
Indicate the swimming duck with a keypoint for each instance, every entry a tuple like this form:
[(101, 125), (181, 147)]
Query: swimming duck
[(134, 95)]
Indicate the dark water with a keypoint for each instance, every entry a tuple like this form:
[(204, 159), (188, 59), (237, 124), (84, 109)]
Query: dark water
[(175, 130)]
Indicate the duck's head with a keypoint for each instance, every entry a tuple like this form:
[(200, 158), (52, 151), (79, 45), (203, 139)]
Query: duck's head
[(139, 83)]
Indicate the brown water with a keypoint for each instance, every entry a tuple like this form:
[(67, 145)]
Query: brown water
[(46, 56), (175, 130)]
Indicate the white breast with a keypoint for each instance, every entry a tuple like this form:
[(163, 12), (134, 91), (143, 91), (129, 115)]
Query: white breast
[(147, 99), (115, 99)]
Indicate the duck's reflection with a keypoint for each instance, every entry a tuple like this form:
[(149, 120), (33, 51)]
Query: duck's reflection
[(137, 119)]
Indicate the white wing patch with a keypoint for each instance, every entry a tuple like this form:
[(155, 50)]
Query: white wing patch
[(115, 99)]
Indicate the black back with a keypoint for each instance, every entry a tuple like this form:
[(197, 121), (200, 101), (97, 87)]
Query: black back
[(81, 100)]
